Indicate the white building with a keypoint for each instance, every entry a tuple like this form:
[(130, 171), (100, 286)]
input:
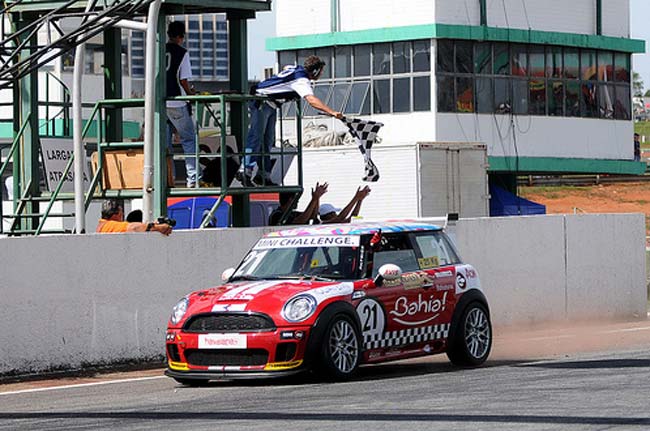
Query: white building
[(545, 84)]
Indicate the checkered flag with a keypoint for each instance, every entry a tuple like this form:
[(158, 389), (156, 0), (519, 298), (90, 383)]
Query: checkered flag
[(365, 132)]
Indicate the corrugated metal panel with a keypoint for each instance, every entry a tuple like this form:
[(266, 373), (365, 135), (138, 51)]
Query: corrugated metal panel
[(453, 179)]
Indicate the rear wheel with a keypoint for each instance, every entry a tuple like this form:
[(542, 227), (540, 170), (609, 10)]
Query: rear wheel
[(340, 348), (472, 338)]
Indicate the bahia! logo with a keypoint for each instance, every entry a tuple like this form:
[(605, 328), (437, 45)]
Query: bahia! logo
[(430, 308)]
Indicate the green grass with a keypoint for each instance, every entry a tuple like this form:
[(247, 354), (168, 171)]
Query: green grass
[(643, 129)]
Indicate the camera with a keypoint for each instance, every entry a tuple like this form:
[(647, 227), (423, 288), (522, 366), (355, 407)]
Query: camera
[(166, 220)]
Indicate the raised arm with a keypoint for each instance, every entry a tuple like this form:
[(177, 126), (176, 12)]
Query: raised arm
[(312, 208)]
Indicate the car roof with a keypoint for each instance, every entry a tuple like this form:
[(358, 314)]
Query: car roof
[(355, 228)]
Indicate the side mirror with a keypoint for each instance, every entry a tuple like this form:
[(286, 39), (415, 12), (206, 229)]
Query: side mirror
[(226, 274), (388, 272)]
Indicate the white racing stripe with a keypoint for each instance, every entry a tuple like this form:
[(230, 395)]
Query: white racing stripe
[(643, 328), (81, 385)]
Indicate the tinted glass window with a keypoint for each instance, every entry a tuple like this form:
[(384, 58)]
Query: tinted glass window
[(483, 58), (606, 101), (572, 99), (445, 86), (381, 59), (502, 95), (589, 100), (286, 58), (519, 63), (536, 59), (537, 97), (381, 96), (339, 95), (401, 57), (303, 54), (571, 63), (322, 91), (622, 108), (484, 95), (434, 250), (622, 67), (605, 66), (464, 56), (445, 55), (555, 97), (325, 54), (421, 93), (358, 98), (588, 64), (519, 96), (362, 60), (343, 62), (421, 56), (553, 62), (401, 95), (464, 94), (501, 58)]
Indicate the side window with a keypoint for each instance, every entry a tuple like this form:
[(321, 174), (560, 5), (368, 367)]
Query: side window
[(434, 251), (395, 249)]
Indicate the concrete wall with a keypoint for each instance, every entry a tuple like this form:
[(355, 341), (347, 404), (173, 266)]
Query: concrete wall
[(70, 301)]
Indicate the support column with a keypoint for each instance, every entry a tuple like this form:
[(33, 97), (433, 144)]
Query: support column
[(29, 148), (334, 16), (113, 82), (238, 71), (160, 124), (599, 17), (483, 12)]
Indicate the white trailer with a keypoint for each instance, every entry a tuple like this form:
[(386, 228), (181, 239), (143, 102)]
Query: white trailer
[(423, 179)]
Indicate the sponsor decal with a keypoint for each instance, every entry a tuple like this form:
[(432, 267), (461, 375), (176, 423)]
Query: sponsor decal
[(358, 294), (445, 273), (428, 262), (405, 310), (333, 290), (309, 241), (426, 349), (222, 341), (461, 281), (371, 316), (412, 280), (229, 307), (275, 366)]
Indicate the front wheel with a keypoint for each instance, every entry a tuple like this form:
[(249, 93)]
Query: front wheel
[(472, 339), (340, 348)]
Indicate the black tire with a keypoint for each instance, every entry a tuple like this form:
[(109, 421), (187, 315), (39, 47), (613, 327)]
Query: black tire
[(191, 382), (340, 350), (472, 339)]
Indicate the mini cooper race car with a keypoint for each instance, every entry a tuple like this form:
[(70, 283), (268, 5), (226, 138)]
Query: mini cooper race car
[(329, 298)]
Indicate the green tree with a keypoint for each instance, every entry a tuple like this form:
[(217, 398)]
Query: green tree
[(637, 85)]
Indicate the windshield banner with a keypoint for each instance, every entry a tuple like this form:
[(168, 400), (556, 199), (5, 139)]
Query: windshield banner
[(309, 241)]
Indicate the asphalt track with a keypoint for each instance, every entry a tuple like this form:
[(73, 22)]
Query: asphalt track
[(587, 377)]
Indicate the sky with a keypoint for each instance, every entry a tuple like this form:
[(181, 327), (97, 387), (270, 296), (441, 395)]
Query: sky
[(640, 29), (263, 26)]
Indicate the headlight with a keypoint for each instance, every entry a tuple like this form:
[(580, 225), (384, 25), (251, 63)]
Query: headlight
[(179, 310), (299, 308)]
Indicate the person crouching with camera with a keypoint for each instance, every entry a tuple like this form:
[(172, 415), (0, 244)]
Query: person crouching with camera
[(112, 221)]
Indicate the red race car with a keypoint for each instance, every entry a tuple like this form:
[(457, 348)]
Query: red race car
[(329, 298)]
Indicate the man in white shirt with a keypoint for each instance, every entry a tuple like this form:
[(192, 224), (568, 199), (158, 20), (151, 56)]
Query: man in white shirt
[(179, 71), (292, 83)]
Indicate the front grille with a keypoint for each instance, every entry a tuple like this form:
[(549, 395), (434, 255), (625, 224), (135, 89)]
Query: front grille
[(209, 357), (229, 322)]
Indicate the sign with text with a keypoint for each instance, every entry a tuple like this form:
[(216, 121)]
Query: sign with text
[(56, 155)]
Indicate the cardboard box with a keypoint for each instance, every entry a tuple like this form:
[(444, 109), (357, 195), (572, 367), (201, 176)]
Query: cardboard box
[(123, 169)]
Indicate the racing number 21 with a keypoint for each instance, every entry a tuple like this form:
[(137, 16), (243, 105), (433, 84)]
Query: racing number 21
[(371, 316)]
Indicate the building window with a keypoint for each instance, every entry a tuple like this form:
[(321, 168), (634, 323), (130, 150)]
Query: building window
[(524, 79), (378, 78)]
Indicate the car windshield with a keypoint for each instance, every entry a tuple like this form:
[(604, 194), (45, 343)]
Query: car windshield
[(331, 257)]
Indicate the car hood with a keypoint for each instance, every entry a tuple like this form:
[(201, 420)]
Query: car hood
[(264, 296)]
